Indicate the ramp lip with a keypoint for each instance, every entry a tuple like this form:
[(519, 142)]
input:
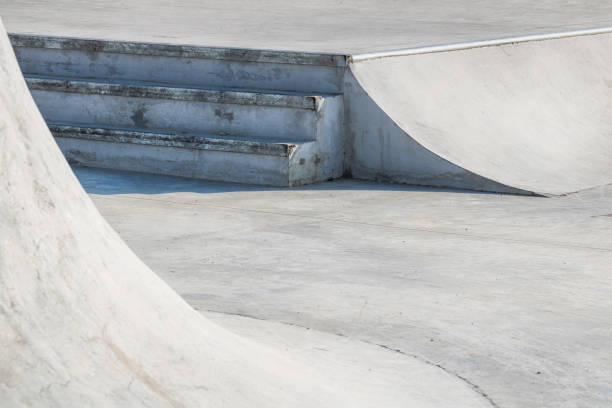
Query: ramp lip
[(177, 50), (477, 44)]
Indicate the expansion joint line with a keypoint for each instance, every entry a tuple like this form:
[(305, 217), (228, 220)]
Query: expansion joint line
[(422, 359)]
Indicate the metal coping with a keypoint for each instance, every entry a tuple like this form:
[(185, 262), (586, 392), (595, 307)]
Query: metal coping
[(477, 44)]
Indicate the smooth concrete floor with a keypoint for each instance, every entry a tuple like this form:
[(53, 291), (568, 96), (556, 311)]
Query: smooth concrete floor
[(338, 26), (511, 294)]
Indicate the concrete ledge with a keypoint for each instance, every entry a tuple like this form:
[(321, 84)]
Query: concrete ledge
[(173, 93), (179, 51), (197, 142)]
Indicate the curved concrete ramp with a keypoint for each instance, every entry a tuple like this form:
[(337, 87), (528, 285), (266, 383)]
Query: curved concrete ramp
[(84, 323), (534, 115)]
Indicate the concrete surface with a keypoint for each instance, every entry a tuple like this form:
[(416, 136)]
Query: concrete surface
[(337, 26), (498, 118), (378, 149), (503, 118), (175, 110), (533, 116), (169, 64), (512, 294), (345, 294), (84, 323)]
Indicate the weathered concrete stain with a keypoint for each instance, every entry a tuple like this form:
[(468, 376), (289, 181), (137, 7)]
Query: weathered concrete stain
[(225, 115), (172, 50), (195, 142), (138, 117), (140, 374), (207, 67), (224, 96), (271, 129)]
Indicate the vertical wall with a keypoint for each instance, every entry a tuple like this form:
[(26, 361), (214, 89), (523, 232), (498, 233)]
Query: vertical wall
[(378, 149)]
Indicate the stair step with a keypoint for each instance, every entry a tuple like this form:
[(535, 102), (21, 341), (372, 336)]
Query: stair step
[(177, 110), (198, 156), (186, 141), (177, 50), (226, 96), (179, 64), (247, 116)]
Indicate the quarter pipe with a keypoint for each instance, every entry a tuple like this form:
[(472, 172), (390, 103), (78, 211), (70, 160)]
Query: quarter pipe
[(531, 114), (84, 323)]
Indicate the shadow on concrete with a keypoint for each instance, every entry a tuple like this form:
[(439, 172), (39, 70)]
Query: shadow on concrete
[(111, 182)]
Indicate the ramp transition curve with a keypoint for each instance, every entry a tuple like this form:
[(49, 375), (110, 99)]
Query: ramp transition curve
[(532, 115), (84, 323)]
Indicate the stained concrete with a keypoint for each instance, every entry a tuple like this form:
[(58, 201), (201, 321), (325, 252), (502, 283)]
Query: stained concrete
[(336, 26), (510, 294), (84, 323)]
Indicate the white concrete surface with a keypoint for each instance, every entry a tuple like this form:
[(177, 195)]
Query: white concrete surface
[(510, 293), (503, 118), (337, 26), (84, 323), (378, 149), (534, 116)]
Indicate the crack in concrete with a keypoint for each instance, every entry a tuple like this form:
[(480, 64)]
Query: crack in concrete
[(137, 371), (47, 388), (472, 385), (475, 387)]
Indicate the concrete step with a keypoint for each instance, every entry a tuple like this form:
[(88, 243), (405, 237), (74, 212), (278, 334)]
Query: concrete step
[(186, 141), (140, 106), (179, 64), (211, 157)]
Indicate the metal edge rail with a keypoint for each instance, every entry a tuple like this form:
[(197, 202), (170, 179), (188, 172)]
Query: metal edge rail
[(476, 44)]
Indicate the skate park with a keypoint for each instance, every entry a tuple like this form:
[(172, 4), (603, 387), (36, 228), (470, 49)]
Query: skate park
[(375, 208)]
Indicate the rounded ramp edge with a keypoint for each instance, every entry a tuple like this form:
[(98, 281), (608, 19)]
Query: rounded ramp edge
[(534, 116), (83, 322)]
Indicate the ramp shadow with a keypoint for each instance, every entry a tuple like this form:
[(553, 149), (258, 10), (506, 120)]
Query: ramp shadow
[(111, 182)]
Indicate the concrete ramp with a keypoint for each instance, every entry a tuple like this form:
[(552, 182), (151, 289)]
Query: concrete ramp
[(533, 114), (84, 323)]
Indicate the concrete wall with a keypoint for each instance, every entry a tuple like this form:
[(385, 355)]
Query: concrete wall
[(533, 115), (176, 64), (378, 149), (361, 140)]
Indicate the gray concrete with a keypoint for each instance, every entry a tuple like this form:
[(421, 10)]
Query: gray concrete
[(378, 149), (531, 115), (179, 65), (255, 161), (179, 110), (176, 110), (509, 293), (184, 141), (354, 26), (489, 118), (85, 323)]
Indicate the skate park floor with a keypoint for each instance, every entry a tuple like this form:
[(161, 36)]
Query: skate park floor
[(352, 27), (510, 294)]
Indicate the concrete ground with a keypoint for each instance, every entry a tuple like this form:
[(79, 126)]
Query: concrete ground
[(510, 294), (339, 26)]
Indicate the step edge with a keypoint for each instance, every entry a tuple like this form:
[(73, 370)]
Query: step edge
[(177, 50), (173, 93), (208, 142)]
